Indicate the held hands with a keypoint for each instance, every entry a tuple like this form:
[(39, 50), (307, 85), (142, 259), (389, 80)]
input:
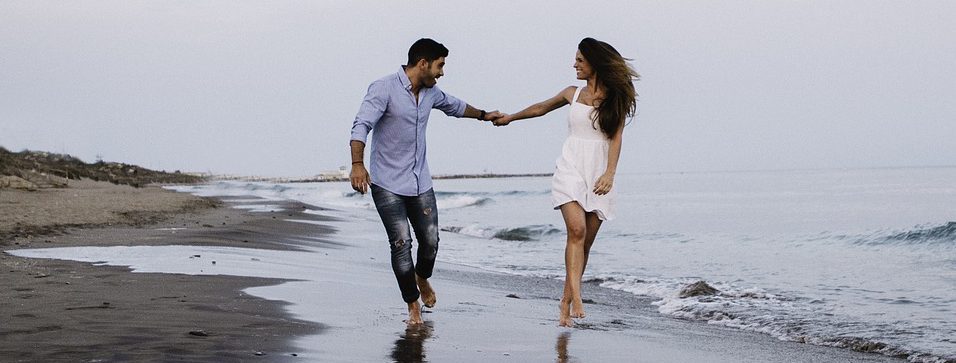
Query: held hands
[(359, 178), (497, 118), (502, 120), (493, 115), (604, 183)]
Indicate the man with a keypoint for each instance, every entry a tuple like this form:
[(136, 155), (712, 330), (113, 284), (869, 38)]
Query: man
[(396, 108)]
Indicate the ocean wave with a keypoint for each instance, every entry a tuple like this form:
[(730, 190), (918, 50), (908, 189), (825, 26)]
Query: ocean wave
[(447, 200), (277, 188), (461, 201), (233, 189), (509, 193), (450, 200), (945, 233), (527, 233), (927, 235), (784, 317), (523, 192)]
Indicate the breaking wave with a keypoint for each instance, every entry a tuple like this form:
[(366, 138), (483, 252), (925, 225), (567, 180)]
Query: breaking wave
[(784, 317), (461, 201), (940, 234), (926, 235), (526, 233)]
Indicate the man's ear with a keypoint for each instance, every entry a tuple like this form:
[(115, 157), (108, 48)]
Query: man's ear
[(422, 64)]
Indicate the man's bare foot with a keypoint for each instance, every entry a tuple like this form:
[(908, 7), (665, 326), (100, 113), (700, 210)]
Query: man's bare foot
[(577, 309), (414, 314), (564, 317), (428, 294)]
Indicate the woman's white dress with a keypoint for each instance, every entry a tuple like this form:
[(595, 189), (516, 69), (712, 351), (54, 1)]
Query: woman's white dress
[(583, 160)]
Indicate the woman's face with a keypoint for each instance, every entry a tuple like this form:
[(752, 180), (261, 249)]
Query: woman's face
[(581, 67)]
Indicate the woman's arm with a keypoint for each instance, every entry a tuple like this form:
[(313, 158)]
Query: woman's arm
[(606, 181), (538, 109)]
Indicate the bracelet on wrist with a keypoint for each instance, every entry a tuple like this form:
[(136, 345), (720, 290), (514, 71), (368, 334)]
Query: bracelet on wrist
[(481, 115), (358, 162)]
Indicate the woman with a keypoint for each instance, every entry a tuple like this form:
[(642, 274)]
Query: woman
[(584, 176)]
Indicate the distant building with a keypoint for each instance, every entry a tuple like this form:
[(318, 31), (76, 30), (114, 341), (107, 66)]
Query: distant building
[(342, 173)]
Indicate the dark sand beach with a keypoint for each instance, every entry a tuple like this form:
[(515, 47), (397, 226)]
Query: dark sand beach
[(55, 310)]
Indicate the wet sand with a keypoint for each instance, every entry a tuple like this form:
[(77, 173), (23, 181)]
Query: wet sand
[(489, 317), (345, 305), (56, 310)]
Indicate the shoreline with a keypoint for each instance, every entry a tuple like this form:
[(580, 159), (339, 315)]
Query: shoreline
[(61, 310), (210, 177), (481, 315), (340, 178)]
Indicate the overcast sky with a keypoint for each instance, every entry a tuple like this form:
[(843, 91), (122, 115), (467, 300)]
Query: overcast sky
[(272, 87)]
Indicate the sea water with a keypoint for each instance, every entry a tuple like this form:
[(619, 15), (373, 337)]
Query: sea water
[(864, 259)]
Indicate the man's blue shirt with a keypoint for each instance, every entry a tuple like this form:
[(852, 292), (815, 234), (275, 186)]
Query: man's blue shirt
[(397, 159)]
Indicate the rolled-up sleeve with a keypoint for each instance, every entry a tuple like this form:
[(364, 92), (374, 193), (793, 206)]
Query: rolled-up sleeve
[(448, 104), (371, 110)]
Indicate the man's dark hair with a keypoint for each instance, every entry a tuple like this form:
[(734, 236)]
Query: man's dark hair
[(426, 49)]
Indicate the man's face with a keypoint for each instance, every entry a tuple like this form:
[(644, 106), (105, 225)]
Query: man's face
[(433, 71)]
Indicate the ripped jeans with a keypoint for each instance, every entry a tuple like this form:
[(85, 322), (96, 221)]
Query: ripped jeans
[(396, 212)]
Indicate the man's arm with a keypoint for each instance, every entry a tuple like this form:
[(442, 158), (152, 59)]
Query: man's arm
[(455, 107), (370, 112), (359, 175), (481, 115)]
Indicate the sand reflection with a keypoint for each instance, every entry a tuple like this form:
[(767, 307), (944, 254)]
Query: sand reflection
[(410, 346), (561, 348)]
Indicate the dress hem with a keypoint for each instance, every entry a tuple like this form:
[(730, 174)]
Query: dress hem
[(600, 213)]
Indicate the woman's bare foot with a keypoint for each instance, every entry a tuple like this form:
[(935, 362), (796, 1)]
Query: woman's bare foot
[(564, 317), (428, 294), (414, 314), (577, 309)]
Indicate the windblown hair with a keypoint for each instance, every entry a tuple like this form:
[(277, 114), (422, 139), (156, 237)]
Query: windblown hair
[(617, 76), (426, 49)]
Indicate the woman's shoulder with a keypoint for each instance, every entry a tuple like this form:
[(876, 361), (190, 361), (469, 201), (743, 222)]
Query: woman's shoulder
[(568, 93)]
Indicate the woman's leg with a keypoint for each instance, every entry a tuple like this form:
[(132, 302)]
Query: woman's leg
[(593, 225), (575, 222)]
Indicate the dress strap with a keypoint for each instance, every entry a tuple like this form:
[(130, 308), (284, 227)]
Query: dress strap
[(577, 92)]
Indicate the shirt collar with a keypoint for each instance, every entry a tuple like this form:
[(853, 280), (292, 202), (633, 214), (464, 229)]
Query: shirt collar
[(403, 78)]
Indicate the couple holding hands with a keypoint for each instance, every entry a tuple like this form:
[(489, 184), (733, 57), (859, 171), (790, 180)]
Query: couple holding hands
[(397, 107)]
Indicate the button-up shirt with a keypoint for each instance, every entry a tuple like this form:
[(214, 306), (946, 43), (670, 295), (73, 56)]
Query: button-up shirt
[(397, 160)]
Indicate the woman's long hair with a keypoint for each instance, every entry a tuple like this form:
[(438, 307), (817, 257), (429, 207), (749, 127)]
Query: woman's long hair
[(617, 77)]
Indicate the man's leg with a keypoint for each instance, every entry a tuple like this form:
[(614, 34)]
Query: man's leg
[(391, 208), (423, 213)]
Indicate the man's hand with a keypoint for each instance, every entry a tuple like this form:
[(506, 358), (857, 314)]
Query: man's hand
[(493, 115), (359, 178)]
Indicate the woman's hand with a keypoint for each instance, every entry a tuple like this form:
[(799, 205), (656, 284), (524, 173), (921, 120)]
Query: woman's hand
[(604, 184), (504, 120)]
